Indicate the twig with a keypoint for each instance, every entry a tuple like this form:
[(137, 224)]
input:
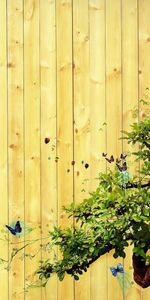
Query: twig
[(136, 185)]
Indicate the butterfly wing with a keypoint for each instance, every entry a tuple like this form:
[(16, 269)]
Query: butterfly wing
[(18, 228), (12, 230), (104, 154), (123, 156), (111, 158), (119, 167), (124, 166), (113, 271), (120, 268), (118, 160), (108, 159)]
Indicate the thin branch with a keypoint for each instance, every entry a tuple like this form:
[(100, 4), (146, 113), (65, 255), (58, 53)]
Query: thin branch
[(136, 185), (106, 249), (146, 144), (81, 266)]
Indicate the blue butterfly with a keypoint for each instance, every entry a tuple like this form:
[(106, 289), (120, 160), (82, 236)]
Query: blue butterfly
[(15, 230), (117, 270)]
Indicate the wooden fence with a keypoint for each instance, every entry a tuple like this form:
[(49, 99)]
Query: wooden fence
[(66, 67)]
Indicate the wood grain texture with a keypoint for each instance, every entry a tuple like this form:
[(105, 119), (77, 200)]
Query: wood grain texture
[(144, 78), (3, 146), (98, 130), (113, 108), (64, 124), (130, 105), (48, 129), (15, 137), (32, 123), (81, 118), (66, 67)]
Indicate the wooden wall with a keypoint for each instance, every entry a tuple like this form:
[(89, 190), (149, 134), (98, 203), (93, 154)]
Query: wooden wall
[(66, 67)]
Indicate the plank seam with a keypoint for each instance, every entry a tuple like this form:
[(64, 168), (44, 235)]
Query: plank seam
[(7, 133)]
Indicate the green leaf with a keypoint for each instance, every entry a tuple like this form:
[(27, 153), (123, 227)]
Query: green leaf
[(61, 276)]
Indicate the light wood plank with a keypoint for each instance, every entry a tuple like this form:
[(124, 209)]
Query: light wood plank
[(15, 137), (64, 124), (82, 124), (32, 137), (97, 117), (3, 147), (144, 65), (48, 129), (130, 101), (144, 46), (88, 40), (114, 108)]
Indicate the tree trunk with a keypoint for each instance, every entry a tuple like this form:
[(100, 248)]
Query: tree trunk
[(141, 271)]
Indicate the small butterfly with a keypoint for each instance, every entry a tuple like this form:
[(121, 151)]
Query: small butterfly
[(15, 230), (86, 165), (104, 154), (117, 270), (118, 160), (110, 160), (56, 159), (123, 156), (123, 168), (47, 140)]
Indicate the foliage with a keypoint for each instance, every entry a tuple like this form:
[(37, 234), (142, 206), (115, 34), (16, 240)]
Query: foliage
[(116, 215)]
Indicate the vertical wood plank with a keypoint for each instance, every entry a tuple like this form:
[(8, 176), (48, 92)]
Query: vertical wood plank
[(48, 129), (32, 136), (144, 66), (64, 124), (86, 142), (130, 101), (81, 117), (3, 146), (144, 46), (97, 118), (15, 136), (114, 108)]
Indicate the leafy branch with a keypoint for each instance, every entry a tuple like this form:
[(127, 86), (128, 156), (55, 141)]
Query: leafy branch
[(116, 215)]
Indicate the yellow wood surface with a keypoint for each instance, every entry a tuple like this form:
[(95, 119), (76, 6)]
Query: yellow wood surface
[(48, 129), (130, 100), (113, 108), (97, 118), (82, 124), (66, 67), (32, 136), (15, 136), (64, 124), (3, 146), (144, 78)]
